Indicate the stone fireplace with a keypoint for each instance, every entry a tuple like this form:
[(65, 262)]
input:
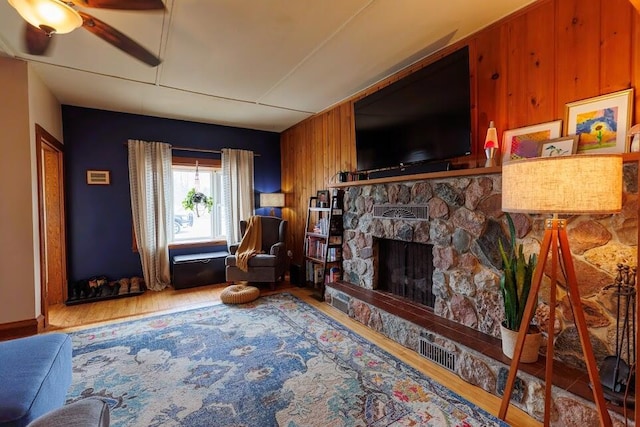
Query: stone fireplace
[(463, 224)]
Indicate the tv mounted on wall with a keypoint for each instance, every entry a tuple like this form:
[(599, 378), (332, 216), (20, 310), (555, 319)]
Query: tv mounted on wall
[(420, 119)]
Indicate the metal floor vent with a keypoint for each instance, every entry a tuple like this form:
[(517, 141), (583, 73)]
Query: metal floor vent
[(437, 354), (340, 304), (417, 212)]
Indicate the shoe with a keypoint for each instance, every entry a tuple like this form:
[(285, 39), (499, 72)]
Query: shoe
[(135, 284), (124, 286)]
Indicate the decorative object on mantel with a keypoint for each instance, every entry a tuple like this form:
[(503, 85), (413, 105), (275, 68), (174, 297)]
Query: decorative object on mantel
[(195, 200), (588, 184), (524, 143), (491, 145), (617, 371), (515, 284), (563, 146), (600, 121), (634, 135)]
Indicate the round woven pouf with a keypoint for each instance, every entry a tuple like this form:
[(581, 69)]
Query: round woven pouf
[(239, 294)]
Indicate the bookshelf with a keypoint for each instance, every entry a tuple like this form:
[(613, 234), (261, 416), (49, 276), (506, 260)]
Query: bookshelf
[(323, 240)]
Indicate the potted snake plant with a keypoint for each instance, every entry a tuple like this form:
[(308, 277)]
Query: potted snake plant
[(515, 285)]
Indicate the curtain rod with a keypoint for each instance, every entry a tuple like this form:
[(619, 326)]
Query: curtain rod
[(200, 150)]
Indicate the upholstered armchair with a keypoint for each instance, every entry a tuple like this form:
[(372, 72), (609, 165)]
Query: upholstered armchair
[(267, 267)]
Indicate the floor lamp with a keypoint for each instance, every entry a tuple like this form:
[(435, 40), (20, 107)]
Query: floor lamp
[(571, 185)]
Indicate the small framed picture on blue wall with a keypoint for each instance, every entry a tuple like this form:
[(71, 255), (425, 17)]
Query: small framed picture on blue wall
[(96, 177)]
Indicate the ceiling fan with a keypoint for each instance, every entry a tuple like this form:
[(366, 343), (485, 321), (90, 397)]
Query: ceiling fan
[(47, 17)]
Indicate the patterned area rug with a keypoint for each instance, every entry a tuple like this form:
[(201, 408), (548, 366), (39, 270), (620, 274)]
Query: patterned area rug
[(276, 361)]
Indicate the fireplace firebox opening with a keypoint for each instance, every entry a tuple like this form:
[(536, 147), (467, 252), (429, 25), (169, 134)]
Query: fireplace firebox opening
[(405, 269)]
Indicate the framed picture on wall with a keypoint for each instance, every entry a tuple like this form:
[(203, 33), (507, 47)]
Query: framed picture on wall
[(323, 199), (563, 146), (600, 122), (97, 177), (525, 142)]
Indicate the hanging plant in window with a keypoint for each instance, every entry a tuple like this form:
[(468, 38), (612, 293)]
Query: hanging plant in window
[(195, 200)]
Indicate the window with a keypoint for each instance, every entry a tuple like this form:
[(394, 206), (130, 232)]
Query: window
[(199, 225)]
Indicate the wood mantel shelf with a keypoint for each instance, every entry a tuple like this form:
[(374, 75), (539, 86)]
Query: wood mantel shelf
[(626, 157), (420, 176)]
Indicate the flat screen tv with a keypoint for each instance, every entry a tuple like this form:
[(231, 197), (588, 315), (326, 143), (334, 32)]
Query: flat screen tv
[(423, 117)]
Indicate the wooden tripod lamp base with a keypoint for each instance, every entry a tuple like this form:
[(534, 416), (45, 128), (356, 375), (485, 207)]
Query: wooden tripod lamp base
[(582, 184), (555, 240)]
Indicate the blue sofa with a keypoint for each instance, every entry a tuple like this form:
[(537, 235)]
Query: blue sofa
[(35, 374)]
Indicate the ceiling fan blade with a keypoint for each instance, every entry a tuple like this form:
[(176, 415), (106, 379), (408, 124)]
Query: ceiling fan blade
[(117, 39), (122, 4), (36, 41)]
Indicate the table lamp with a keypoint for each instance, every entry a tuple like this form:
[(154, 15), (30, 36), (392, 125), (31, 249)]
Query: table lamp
[(272, 200), (491, 145), (570, 185)]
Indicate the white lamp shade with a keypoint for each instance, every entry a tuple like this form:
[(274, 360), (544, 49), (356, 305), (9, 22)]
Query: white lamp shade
[(271, 200), (51, 13), (579, 184)]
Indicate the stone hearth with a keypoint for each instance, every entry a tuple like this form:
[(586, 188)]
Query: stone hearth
[(464, 224)]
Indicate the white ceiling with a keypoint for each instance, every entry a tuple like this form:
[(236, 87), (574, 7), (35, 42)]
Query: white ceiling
[(258, 64)]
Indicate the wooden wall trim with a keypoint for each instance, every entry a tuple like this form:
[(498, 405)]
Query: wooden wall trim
[(19, 329), (44, 140)]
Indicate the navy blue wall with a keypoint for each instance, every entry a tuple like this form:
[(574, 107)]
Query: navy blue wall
[(99, 226)]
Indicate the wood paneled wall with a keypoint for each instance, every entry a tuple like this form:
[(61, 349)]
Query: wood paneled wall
[(524, 69)]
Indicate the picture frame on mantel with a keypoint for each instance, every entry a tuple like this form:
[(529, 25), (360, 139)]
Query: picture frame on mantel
[(601, 122), (525, 142), (563, 146)]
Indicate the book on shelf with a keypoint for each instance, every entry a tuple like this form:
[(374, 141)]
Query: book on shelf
[(334, 254), (309, 270), (335, 240), (314, 272), (315, 247), (318, 273), (322, 226), (334, 274)]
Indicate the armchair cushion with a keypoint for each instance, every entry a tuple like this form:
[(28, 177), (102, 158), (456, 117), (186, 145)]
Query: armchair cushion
[(260, 260)]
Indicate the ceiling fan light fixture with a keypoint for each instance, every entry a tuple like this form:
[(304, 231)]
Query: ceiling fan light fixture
[(48, 14)]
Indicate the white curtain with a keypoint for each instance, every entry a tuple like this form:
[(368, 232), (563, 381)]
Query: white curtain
[(237, 172), (151, 188)]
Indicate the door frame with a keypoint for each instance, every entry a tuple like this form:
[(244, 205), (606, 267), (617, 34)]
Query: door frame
[(45, 138)]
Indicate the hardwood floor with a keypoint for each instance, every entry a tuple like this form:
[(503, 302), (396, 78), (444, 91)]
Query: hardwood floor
[(63, 318)]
